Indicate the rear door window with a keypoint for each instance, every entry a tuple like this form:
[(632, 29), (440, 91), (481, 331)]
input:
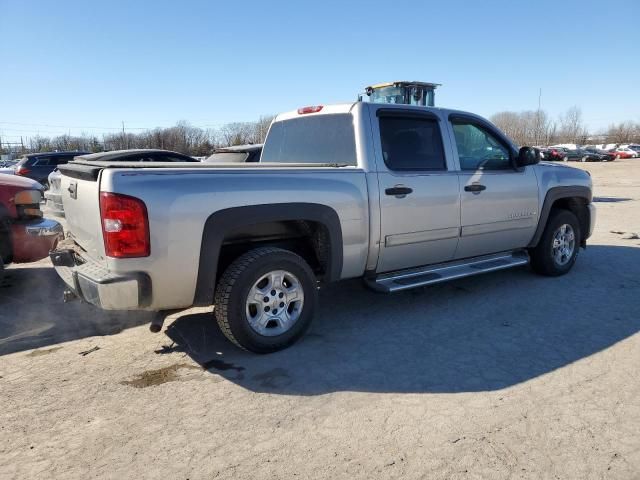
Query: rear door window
[(42, 162), (412, 143), (314, 139)]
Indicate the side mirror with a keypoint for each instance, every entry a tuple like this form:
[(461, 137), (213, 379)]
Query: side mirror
[(528, 156)]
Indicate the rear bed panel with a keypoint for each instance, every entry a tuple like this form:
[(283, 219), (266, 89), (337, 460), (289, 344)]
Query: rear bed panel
[(81, 201), (179, 200)]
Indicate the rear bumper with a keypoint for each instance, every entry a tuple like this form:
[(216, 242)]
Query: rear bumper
[(54, 202), (33, 240), (95, 284)]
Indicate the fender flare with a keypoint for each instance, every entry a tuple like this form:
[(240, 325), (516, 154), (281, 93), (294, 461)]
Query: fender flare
[(222, 221), (554, 194)]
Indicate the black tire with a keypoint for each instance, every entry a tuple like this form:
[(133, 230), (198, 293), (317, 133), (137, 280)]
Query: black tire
[(1, 269), (234, 286), (542, 258)]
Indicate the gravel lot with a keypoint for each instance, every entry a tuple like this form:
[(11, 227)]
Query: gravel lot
[(507, 375)]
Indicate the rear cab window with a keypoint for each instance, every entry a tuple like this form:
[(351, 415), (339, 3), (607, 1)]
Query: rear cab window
[(325, 138)]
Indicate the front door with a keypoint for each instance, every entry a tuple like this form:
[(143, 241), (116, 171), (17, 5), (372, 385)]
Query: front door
[(499, 204), (419, 192)]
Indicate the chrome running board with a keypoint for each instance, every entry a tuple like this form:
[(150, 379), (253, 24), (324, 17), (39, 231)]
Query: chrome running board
[(443, 272)]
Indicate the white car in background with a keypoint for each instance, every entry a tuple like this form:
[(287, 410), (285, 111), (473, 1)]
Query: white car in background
[(8, 167), (626, 149)]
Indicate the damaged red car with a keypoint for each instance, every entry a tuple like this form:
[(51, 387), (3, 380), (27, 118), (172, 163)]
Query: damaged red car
[(25, 236)]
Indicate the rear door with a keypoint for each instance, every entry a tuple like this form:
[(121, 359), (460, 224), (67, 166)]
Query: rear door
[(499, 204), (419, 191)]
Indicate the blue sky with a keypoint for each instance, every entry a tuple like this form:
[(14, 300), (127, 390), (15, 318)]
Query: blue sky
[(81, 64)]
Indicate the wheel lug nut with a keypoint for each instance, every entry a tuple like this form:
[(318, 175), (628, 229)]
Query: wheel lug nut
[(266, 309), (273, 293), (275, 311), (281, 295), (266, 299), (281, 304)]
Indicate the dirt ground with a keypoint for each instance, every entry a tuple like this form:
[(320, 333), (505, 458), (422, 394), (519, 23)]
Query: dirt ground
[(504, 376)]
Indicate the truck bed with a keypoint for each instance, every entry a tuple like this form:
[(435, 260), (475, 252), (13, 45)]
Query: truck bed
[(89, 170)]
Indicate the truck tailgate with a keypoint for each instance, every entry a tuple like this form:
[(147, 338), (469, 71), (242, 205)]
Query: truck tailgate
[(81, 200)]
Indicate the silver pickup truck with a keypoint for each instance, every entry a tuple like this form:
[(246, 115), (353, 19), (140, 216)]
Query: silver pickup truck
[(401, 196)]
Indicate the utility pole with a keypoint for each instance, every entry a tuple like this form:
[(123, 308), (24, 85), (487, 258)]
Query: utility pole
[(538, 119)]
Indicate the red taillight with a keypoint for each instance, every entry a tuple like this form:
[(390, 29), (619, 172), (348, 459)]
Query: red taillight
[(312, 109), (125, 226), (22, 171)]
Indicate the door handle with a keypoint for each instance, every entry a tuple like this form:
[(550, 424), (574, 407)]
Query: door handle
[(475, 188), (399, 191)]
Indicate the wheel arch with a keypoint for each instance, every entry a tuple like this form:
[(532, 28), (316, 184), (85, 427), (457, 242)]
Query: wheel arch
[(223, 223), (575, 199)]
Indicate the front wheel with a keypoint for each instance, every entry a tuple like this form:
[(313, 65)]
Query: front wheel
[(266, 299), (557, 250)]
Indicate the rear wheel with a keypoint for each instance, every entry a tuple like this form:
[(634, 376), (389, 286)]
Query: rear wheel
[(558, 248), (266, 299)]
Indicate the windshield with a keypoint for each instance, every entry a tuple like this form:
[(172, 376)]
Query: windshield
[(228, 157), (403, 96), (388, 95)]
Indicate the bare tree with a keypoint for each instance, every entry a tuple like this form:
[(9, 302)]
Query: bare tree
[(572, 129), (623, 132), (525, 128)]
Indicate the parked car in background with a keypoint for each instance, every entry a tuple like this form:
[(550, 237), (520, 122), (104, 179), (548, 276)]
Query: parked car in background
[(597, 155), (553, 153), (635, 147), (575, 155), (8, 167), (38, 166), (236, 154), (54, 196), (625, 152), (24, 235)]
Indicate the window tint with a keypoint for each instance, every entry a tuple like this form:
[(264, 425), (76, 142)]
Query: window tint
[(42, 162), (411, 143), (313, 139), (171, 158), (61, 160), (478, 149)]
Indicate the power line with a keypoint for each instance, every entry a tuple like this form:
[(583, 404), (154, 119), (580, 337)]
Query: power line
[(87, 127), (69, 126)]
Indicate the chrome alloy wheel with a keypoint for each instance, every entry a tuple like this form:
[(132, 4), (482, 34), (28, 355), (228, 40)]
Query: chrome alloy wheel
[(564, 244), (274, 303)]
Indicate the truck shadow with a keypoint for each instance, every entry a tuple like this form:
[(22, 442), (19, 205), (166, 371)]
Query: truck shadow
[(33, 315), (476, 334)]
